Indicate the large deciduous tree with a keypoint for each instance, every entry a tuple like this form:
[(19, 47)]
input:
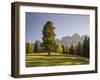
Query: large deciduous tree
[(49, 37)]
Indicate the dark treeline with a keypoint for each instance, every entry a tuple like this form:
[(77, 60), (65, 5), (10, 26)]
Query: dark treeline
[(81, 49)]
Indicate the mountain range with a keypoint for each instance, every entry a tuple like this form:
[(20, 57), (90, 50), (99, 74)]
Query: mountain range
[(71, 40)]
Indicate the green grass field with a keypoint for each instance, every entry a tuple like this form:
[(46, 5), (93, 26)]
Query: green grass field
[(34, 60)]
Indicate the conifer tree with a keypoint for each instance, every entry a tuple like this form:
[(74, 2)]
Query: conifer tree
[(49, 37), (79, 49), (37, 47), (67, 50), (86, 47), (29, 48), (71, 50), (64, 51)]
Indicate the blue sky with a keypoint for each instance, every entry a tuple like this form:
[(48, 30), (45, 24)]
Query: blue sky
[(65, 25)]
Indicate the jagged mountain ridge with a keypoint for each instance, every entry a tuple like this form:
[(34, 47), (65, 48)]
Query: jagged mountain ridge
[(71, 40)]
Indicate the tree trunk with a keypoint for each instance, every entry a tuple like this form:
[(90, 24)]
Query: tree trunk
[(48, 53)]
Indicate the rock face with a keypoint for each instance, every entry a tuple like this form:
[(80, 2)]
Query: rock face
[(69, 40)]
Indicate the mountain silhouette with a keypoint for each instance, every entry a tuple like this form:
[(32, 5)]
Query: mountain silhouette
[(71, 40)]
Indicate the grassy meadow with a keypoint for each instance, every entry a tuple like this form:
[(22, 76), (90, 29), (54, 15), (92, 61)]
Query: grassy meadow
[(42, 59)]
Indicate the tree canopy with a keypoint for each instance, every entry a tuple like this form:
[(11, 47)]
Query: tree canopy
[(49, 37)]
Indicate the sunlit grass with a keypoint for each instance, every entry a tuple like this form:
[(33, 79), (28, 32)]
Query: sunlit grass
[(54, 60)]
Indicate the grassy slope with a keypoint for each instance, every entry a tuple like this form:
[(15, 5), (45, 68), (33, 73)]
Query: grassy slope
[(54, 60)]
